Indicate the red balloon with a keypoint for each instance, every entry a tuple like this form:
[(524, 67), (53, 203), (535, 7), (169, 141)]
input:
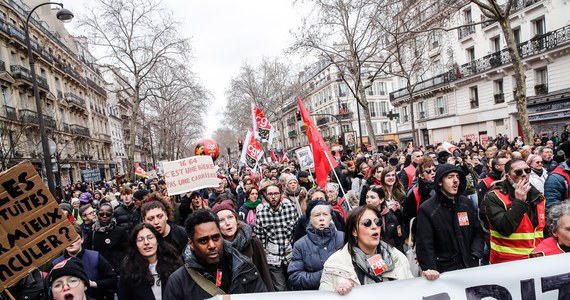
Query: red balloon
[(207, 147)]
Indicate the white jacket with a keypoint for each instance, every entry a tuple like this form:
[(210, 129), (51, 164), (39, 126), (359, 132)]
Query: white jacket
[(338, 269), (538, 181)]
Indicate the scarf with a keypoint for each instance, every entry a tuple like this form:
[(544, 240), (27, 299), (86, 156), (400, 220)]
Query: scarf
[(360, 259), (242, 237), (538, 172), (294, 193), (98, 228), (252, 205)]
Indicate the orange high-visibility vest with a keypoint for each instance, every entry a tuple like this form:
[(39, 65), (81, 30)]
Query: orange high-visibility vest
[(520, 243), (548, 247)]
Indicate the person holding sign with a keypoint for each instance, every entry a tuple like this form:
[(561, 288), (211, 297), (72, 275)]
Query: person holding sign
[(365, 258)]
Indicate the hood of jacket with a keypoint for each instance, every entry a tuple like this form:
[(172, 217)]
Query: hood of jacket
[(445, 169)]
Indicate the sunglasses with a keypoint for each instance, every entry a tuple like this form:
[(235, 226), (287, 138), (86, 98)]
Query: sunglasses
[(368, 222), (429, 171), (105, 214), (519, 172)]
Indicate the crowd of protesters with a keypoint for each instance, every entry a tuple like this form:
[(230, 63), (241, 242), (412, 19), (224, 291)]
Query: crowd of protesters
[(391, 215)]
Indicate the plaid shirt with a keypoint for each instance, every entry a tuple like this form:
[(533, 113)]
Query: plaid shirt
[(276, 226)]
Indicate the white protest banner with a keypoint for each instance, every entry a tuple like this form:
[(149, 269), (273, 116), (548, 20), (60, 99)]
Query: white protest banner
[(33, 229), (190, 174), (531, 279), (252, 151), (91, 176), (305, 157)]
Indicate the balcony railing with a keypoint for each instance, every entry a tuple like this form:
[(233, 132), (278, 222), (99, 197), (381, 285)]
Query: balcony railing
[(20, 72), (74, 99), (11, 113), (346, 116), (499, 97), (465, 31), (541, 89), (105, 136), (536, 45), (521, 4), (96, 87), (31, 117), (66, 128), (80, 130), (323, 121)]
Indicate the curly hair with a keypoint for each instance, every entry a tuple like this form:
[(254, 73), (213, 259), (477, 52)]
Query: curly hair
[(135, 267), (157, 196)]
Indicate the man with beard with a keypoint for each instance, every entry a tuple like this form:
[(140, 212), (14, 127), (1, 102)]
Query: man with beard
[(516, 213), (449, 236), (274, 227), (548, 161), (213, 266)]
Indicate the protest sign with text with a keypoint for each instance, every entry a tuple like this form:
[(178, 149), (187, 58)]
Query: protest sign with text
[(91, 176), (305, 158), (190, 174), (530, 279), (32, 227)]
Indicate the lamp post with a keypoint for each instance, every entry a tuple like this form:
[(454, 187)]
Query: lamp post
[(64, 15)]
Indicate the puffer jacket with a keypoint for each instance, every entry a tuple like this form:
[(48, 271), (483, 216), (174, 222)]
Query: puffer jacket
[(556, 187), (442, 243), (127, 216), (310, 254), (339, 269), (245, 277)]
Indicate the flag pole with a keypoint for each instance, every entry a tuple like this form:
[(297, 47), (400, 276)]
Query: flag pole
[(337, 179)]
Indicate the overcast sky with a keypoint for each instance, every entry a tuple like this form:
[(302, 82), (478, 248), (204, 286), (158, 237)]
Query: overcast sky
[(224, 34)]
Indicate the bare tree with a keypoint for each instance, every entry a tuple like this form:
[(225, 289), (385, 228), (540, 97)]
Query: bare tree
[(500, 11), (226, 138), (12, 141), (265, 85), (136, 35), (347, 34), (175, 108)]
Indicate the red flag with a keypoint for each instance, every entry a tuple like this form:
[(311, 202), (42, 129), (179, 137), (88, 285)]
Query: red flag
[(320, 150), (139, 171), (273, 157)]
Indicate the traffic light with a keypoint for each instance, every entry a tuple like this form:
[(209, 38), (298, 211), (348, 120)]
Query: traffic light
[(340, 139), (298, 115), (240, 145)]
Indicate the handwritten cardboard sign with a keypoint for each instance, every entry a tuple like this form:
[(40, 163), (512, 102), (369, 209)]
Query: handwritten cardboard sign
[(190, 174), (32, 227), (93, 175)]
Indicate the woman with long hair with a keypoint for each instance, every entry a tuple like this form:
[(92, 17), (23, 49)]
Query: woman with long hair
[(149, 262), (373, 177), (349, 266), (392, 187), (393, 233)]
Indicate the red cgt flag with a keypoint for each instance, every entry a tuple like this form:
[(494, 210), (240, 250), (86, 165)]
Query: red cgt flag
[(139, 171), (321, 153)]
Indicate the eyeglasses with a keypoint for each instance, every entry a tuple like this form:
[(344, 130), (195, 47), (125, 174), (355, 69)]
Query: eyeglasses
[(273, 194), (539, 162), (105, 214), (229, 218), (149, 238), (519, 172), (91, 213), (429, 171), (71, 282), (368, 222)]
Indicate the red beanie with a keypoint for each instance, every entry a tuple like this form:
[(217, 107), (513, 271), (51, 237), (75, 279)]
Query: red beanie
[(224, 205)]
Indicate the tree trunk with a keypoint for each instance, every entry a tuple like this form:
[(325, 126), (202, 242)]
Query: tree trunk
[(367, 118), (132, 136), (520, 79)]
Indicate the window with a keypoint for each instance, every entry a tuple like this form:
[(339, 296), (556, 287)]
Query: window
[(421, 110), (467, 17), (384, 108), (517, 34), (386, 128), (470, 54), (435, 40), (379, 88), (7, 97), (342, 89), (440, 106), (405, 113), (496, 44), (499, 94), (541, 81), (474, 97), (373, 109), (539, 26)]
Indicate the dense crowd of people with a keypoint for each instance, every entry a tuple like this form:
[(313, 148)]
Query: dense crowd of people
[(393, 215)]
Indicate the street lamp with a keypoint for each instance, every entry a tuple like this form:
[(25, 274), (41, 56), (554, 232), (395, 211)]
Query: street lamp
[(64, 15)]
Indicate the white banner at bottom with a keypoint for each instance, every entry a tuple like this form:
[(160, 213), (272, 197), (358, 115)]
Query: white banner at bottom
[(531, 279)]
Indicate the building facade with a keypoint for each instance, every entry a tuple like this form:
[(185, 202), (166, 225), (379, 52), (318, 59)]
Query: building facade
[(469, 91)]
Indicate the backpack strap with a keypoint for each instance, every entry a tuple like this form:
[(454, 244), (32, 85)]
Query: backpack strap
[(204, 283)]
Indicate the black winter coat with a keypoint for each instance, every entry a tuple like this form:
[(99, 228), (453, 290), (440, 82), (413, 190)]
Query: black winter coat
[(244, 277), (442, 243), (112, 245), (127, 216)]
